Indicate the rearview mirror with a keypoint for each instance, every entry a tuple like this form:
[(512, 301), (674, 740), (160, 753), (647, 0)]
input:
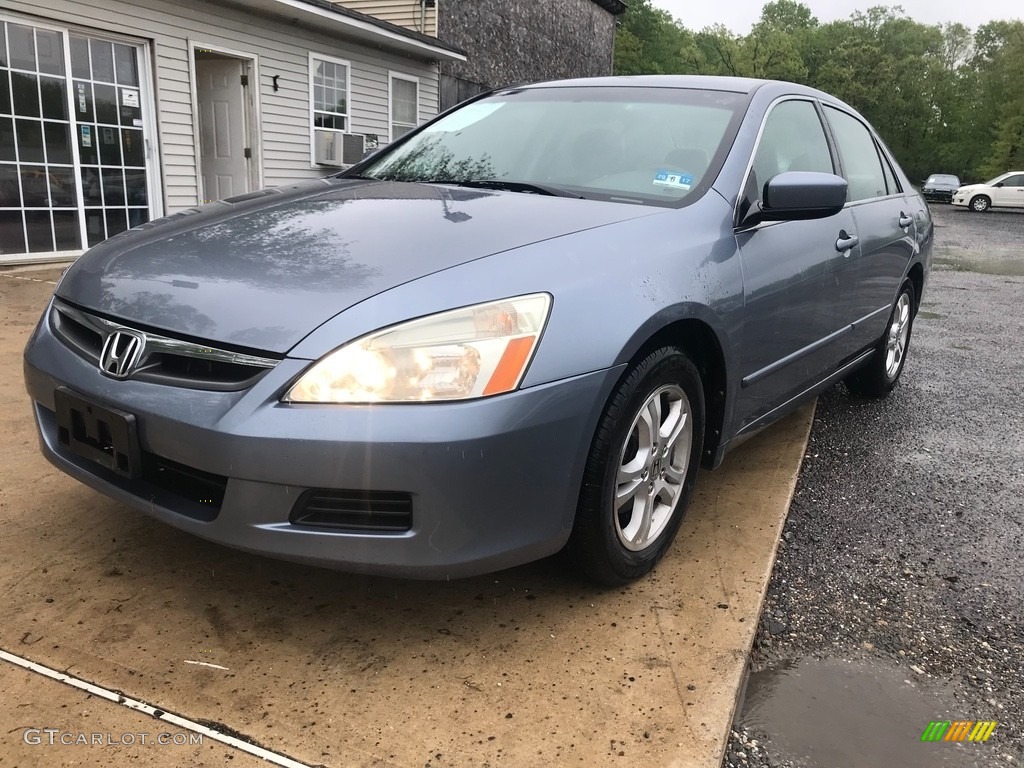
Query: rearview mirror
[(799, 195)]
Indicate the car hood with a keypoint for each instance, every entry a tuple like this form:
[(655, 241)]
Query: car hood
[(263, 270), (971, 187)]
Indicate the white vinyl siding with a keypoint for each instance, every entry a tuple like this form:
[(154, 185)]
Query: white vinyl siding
[(404, 104), (404, 13), (282, 49)]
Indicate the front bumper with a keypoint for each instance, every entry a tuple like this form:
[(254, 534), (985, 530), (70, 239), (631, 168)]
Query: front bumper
[(493, 482), (938, 195)]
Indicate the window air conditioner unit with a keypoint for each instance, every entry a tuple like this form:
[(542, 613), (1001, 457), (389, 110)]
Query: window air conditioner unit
[(339, 149)]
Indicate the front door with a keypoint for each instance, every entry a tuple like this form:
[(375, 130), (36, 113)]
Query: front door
[(791, 272), (1011, 193), (76, 158), (222, 94)]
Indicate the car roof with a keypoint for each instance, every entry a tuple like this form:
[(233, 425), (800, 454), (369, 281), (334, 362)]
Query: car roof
[(745, 85)]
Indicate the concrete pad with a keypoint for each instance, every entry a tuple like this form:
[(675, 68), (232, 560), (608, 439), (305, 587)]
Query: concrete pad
[(524, 667), (92, 732)]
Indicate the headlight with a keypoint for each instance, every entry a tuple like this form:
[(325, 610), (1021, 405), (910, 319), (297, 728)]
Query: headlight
[(465, 353)]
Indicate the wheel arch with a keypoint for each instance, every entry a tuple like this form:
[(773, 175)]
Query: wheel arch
[(699, 341), (916, 277)]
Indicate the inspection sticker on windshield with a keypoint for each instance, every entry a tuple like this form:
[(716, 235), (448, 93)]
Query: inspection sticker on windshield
[(673, 179)]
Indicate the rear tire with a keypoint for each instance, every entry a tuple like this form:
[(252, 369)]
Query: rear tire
[(641, 470), (883, 370)]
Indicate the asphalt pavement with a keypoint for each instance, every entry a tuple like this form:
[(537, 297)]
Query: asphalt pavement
[(898, 592)]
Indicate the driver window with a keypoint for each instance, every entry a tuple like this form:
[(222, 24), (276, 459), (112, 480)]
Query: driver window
[(792, 140)]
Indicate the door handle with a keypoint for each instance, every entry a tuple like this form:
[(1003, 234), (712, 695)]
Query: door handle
[(846, 242), (905, 221)]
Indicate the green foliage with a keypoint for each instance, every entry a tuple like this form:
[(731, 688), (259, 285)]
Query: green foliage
[(944, 99)]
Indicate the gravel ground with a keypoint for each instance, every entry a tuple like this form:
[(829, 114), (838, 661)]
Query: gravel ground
[(902, 547)]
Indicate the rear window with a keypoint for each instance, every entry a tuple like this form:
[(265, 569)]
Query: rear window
[(646, 145)]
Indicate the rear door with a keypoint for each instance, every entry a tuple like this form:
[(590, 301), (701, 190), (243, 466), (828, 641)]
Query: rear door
[(886, 218), (791, 270)]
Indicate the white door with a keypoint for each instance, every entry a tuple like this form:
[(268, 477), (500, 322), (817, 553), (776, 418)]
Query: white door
[(1012, 192), (222, 127)]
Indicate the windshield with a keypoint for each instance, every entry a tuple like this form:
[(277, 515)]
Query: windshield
[(936, 178), (644, 145)]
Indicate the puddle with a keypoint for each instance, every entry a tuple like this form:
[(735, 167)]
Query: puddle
[(841, 715), (1013, 267)]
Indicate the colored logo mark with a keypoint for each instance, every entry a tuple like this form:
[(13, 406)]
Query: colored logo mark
[(959, 730)]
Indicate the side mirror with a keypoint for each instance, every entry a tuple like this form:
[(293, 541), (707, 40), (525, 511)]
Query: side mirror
[(798, 196)]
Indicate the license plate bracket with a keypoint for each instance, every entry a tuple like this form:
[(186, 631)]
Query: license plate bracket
[(102, 435)]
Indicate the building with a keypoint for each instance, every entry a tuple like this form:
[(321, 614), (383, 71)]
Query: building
[(115, 112), (508, 41)]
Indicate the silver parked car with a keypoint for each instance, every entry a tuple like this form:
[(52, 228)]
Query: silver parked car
[(521, 327)]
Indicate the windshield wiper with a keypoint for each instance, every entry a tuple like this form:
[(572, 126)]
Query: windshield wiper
[(529, 188)]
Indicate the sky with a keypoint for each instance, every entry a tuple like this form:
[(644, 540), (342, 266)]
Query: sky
[(739, 15)]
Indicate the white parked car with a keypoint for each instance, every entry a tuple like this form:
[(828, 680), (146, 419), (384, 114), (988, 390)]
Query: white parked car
[(1006, 191)]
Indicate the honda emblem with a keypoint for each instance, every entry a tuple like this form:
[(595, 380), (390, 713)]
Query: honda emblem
[(121, 352)]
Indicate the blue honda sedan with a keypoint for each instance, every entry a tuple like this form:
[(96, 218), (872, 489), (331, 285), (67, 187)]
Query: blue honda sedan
[(520, 328)]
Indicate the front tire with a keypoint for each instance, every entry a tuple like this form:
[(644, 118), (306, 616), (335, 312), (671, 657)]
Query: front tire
[(641, 470), (980, 203), (883, 370)]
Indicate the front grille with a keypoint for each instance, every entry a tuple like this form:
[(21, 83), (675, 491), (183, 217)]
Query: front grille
[(357, 511), (164, 359)]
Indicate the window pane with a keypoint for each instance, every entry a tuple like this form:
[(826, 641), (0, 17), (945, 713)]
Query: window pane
[(94, 228), (91, 186), (12, 232), (6, 139), (129, 114), (58, 142), (110, 146), (23, 47), (113, 186), (131, 145), (124, 63), (137, 216), (3, 45), (135, 188), (26, 94), (62, 188), (329, 93), (83, 101), (404, 106), (116, 222), (10, 192), (55, 104), (102, 61), (37, 226), (35, 189), (890, 179), (80, 57), (399, 130), (65, 225), (50, 52), (106, 104), (793, 140), (30, 141), (87, 144), (861, 165), (5, 91)]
